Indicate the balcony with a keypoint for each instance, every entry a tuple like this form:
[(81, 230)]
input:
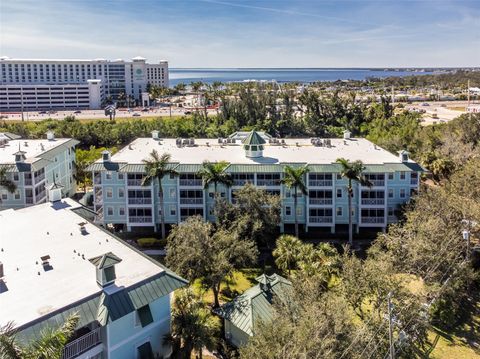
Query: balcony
[(191, 182), (373, 201), (414, 181), (191, 200), (29, 200), (134, 182), (28, 181), (139, 201), (269, 183), (82, 344), (40, 195), (140, 219), (318, 219), (320, 183), (320, 201), (373, 220), (377, 183)]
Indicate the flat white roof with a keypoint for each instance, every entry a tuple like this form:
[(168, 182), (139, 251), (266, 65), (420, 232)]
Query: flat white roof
[(33, 149), (351, 149), (52, 229)]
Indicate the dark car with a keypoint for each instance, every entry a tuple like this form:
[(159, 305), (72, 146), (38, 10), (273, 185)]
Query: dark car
[(78, 111)]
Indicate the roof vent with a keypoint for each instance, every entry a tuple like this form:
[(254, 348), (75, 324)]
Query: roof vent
[(347, 134), (55, 192), (105, 268), (50, 135), (253, 145), (83, 229), (42, 147), (2, 273), (155, 134), (46, 263), (25, 144)]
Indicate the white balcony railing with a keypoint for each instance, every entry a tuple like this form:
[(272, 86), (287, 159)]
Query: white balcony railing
[(191, 182), (379, 220), (377, 183), (320, 201), (191, 200), (82, 344), (134, 182), (140, 219), (414, 181), (241, 182), (373, 201), (139, 201), (320, 183), (28, 181), (270, 183), (318, 219)]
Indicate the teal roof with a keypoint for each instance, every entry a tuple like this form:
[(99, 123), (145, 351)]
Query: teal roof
[(188, 168), (255, 304), (254, 138), (329, 167), (105, 166), (105, 260), (259, 168)]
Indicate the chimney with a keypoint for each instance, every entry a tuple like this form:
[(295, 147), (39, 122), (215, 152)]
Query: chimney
[(106, 156), (50, 135), (105, 268)]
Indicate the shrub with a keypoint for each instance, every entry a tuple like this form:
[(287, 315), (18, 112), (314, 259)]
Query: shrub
[(147, 242)]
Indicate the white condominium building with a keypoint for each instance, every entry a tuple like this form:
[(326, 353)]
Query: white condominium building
[(55, 263), (20, 79)]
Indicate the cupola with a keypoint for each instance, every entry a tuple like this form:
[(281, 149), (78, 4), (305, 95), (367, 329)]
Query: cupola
[(105, 268), (404, 156), (155, 134), (20, 156), (253, 145), (347, 134), (106, 156), (54, 192)]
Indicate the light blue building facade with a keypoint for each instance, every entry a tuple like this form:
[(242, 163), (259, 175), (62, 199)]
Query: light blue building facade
[(34, 165), (121, 200)]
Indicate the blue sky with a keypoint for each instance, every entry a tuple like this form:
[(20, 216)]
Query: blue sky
[(229, 33)]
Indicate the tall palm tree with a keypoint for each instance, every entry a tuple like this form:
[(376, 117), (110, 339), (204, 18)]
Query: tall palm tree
[(192, 323), (214, 173), (158, 167), (287, 252), (196, 87), (294, 178), (50, 344), (5, 182), (353, 172)]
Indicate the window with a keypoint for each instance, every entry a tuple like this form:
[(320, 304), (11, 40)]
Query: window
[(109, 192), (390, 193), (15, 177), (339, 211), (143, 316), (299, 211), (172, 176), (402, 175), (390, 176), (145, 351), (402, 192), (121, 193), (17, 194), (288, 211), (121, 211), (339, 193), (109, 273), (390, 211), (287, 193), (108, 175), (120, 176), (339, 176), (173, 193), (210, 194), (109, 211), (173, 211)]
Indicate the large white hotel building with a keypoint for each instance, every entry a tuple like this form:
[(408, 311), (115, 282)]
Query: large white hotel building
[(34, 84)]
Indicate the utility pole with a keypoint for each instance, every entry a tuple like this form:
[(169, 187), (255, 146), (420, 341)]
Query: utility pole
[(390, 327)]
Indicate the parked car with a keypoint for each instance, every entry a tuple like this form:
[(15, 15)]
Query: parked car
[(146, 109), (188, 112), (42, 113), (425, 104), (78, 111), (136, 114)]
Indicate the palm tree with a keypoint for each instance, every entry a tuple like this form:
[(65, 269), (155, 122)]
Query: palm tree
[(158, 167), (214, 172), (196, 87), (180, 88), (192, 323), (50, 344), (6, 182), (353, 172), (287, 252), (295, 179)]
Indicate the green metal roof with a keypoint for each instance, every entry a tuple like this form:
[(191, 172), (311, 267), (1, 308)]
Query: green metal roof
[(259, 168), (105, 260), (189, 168), (255, 304), (105, 166), (329, 167), (254, 138)]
